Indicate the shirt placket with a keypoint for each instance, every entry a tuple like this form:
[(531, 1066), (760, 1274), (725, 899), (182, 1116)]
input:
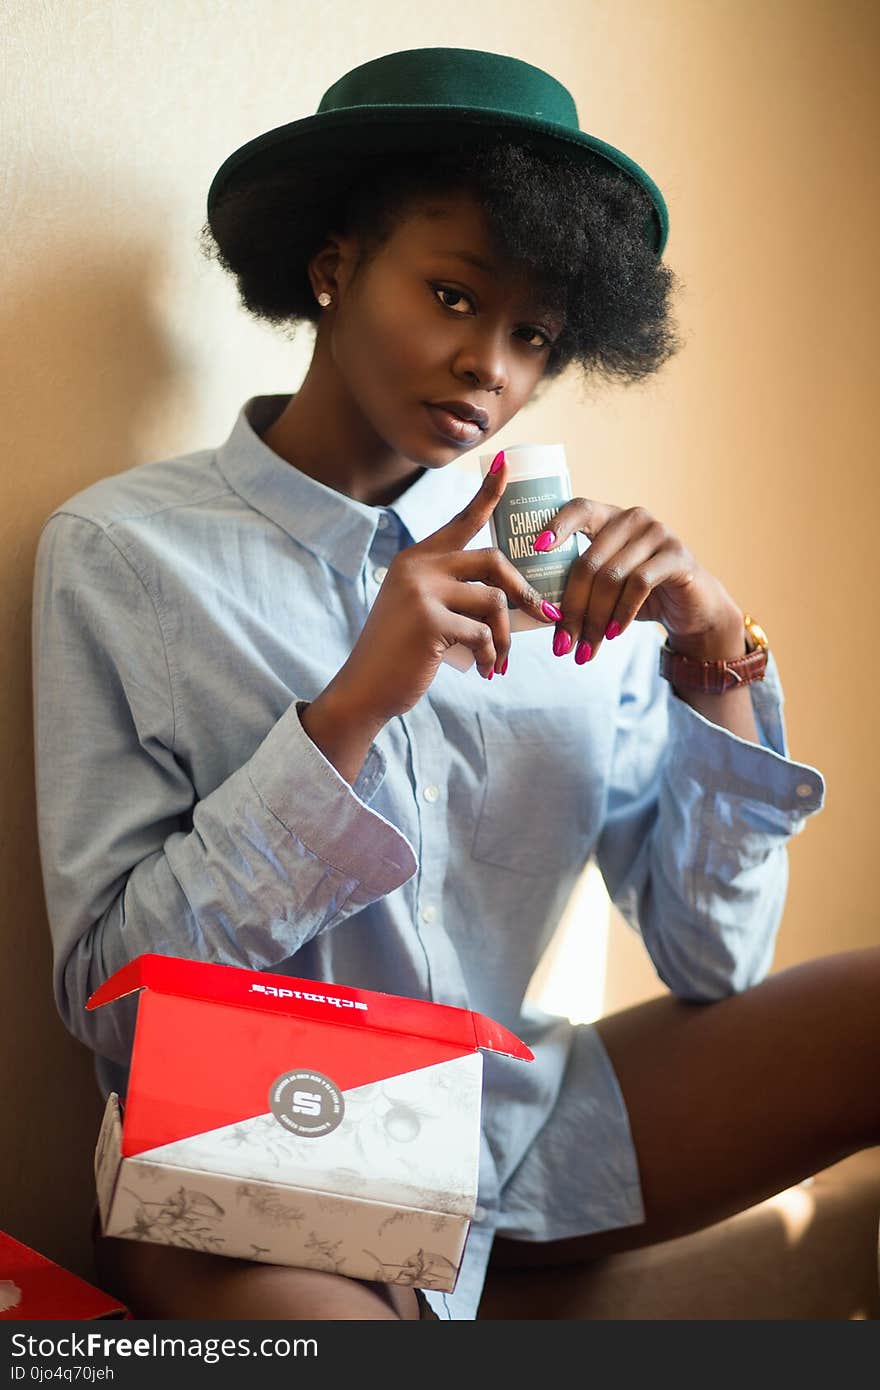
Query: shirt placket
[(386, 543), (430, 764), (429, 761)]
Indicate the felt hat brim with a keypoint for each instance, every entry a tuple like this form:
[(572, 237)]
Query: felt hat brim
[(436, 108)]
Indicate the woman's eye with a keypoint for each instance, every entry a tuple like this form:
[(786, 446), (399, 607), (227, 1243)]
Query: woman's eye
[(456, 294), (459, 294)]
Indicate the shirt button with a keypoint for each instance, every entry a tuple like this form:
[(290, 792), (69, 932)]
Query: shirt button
[(431, 793), (804, 789), (379, 573), (429, 913), (480, 1213)]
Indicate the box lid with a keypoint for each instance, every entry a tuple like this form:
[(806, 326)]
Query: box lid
[(211, 1039)]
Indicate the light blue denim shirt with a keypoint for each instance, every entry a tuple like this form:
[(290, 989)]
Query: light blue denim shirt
[(182, 610)]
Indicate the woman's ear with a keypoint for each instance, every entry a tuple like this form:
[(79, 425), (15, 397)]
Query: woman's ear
[(333, 263)]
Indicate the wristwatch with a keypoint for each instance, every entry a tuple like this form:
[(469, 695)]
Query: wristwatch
[(714, 677)]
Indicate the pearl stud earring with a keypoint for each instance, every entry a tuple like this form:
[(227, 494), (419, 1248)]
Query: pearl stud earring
[(324, 299)]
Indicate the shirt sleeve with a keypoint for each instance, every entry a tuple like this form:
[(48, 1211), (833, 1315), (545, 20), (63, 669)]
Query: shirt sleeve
[(133, 861), (693, 846)]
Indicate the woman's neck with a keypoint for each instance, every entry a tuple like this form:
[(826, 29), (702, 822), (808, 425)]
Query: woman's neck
[(322, 434)]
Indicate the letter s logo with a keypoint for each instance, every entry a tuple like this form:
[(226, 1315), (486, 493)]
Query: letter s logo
[(306, 1103)]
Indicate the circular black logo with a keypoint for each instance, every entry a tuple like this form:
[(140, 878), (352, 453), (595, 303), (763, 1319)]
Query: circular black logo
[(306, 1103)]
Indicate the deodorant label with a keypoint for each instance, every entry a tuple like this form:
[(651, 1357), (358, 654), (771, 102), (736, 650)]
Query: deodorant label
[(518, 520)]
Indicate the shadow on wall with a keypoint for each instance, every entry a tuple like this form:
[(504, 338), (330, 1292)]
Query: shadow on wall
[(84, 364)]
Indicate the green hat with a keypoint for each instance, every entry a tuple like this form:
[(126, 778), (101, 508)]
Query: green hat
[(426, 98)]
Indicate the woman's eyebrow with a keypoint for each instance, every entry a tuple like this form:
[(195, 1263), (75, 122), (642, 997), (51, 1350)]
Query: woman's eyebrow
[(473, 259)]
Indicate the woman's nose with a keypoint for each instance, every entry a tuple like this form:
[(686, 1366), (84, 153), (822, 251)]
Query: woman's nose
[(486, 362)]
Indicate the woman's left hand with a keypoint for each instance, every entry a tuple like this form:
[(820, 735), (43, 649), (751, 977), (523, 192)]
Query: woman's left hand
[(636, 569)]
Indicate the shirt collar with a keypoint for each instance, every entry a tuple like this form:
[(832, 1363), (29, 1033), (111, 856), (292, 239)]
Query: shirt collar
[(330, 524)]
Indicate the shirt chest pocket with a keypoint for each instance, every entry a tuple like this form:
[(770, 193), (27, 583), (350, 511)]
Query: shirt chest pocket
[(541, 802)]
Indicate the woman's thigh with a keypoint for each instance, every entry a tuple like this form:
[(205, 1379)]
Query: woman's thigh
[(166, 1281), (733, 1101)]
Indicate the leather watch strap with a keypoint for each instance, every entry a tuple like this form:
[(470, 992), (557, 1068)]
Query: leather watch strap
[(714, 677)]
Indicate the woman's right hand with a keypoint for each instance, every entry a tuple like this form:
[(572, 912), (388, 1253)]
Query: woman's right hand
[(435, 594)]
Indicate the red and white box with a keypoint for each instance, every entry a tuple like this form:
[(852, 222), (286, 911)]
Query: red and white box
[(299, 1123), (35, 1289)]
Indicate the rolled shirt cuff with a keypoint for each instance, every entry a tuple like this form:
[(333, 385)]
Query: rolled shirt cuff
[(319, 808), (787, 791)]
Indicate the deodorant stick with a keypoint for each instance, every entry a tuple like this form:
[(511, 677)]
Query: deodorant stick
[(537, 486)]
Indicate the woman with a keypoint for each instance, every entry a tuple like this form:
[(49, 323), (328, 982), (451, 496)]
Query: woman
[(251, 750)]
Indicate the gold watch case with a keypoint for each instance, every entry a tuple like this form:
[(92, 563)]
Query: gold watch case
[(757, 637)]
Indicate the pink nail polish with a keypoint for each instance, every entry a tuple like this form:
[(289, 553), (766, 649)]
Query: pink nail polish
[(561, 642), (504, 667), (544, 541), (551, 611), (491, 674), (583, 653), (612, 629), (497, 462)]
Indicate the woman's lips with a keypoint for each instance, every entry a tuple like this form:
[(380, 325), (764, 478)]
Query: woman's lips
[(457, 431)]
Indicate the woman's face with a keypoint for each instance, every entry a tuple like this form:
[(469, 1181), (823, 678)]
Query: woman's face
[(420, 324)]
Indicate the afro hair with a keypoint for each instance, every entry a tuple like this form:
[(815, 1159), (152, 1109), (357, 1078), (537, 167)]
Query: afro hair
[(574, 226)]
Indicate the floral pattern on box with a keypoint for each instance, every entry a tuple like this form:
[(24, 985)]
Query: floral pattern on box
[(343, 1234)]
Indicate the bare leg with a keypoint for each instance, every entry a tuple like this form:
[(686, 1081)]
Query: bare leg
[(163, 1281), (733, 1101)]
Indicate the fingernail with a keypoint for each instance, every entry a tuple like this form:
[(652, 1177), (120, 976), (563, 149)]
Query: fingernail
[(497, 462), (491, 674), (551, 611), (504, 667), (561, 642), (612, 629), (583, 653), (544, 541)]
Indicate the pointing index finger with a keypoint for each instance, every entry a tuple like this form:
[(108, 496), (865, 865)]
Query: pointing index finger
[(472, 518)]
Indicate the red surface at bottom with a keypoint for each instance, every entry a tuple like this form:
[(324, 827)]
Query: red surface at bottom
[(45, 1291)]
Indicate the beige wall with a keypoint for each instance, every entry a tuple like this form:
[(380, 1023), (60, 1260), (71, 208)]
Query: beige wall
[(119, 345)]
